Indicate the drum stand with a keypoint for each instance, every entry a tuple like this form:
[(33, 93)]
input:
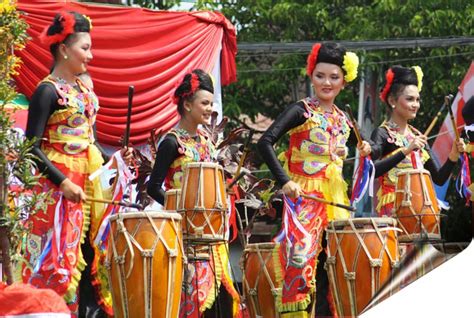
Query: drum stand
[(196, 257)]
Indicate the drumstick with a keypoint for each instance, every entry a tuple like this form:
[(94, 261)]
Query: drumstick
[(350, 208), (453, 122), (126, 136), (244, 154), (121, 203), (447, 100), (230, 185), (354, 124)]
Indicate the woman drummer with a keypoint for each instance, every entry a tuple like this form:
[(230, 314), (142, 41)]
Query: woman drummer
[(402, 145), (61, 120), (184, 144), (318, 132)]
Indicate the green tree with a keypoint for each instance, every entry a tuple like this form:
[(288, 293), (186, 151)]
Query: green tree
[(266, 82)]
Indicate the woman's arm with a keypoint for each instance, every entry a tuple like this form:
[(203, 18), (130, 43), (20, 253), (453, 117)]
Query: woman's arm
[(291, 117), (42, 105), (379, 139), (167, 153)]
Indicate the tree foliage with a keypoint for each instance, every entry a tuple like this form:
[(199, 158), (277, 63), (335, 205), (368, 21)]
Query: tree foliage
[(266, 82)]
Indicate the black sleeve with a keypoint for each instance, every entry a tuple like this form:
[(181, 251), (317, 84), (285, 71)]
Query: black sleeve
[(43, 104), (376, 149), (439, 175), (167, 152), (379, 138), (97, 144), (291, 117)]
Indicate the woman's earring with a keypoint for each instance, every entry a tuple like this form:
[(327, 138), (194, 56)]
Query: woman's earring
[(65, 57), (393, 106), (188, 109)]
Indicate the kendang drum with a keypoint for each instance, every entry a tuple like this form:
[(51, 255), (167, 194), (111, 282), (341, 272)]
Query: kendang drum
[(259, 280), (416, 206), (203, 202), (361, 256), (172, 200), (145, 264)]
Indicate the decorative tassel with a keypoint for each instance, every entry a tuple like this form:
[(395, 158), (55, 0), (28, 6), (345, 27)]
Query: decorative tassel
[(463, 181), (292, 228), (364, 180)]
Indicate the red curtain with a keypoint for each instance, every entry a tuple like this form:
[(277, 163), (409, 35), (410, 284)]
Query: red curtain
[(151, 50)]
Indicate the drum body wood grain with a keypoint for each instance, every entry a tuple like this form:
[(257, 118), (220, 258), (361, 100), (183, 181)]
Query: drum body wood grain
[(145, 264), (416, 206), (259, 280), (361, 256)]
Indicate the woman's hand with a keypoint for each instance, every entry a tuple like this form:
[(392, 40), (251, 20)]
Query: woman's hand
[(457, 148), (72, 191), (292, 189), (418, 143), (364, 148), (127, 155)]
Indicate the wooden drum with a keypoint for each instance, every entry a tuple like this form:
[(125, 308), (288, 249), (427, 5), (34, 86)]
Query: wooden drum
[(416, 206), (259, 281), (172, 200), (361, 256), (145, 264), (203, 202)]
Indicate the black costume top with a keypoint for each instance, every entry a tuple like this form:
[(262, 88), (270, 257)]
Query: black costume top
[(176, 150), (44, 103), (293, 116), (167, 153), (387, 145), (393, 161)]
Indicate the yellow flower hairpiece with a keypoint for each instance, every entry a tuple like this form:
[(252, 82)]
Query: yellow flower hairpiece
[(88, 19), (212, 79), (350, 65), (419, 76)]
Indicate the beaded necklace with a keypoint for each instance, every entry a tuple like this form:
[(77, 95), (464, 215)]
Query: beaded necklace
[(397, 138), (333, 122), (76, 96), (192, 146)]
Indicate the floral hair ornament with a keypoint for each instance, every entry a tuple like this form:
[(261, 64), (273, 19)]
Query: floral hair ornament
[(67, 21), (213, 81), (419, 76), (312, 58), (194, 87), (388, 83), (350, 65), (194, 84)]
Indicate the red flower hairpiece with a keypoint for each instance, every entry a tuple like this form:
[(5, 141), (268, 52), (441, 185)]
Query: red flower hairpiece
[(194, 87), (389, 79), (312, 58), (67, 21), (194, 83), (175, 99)]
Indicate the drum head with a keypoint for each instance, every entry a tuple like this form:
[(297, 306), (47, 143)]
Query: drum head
[(144, 214), (361, 222), (203, 164)]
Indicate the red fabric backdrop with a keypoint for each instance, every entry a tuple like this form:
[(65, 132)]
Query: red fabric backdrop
[(151, 50)]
